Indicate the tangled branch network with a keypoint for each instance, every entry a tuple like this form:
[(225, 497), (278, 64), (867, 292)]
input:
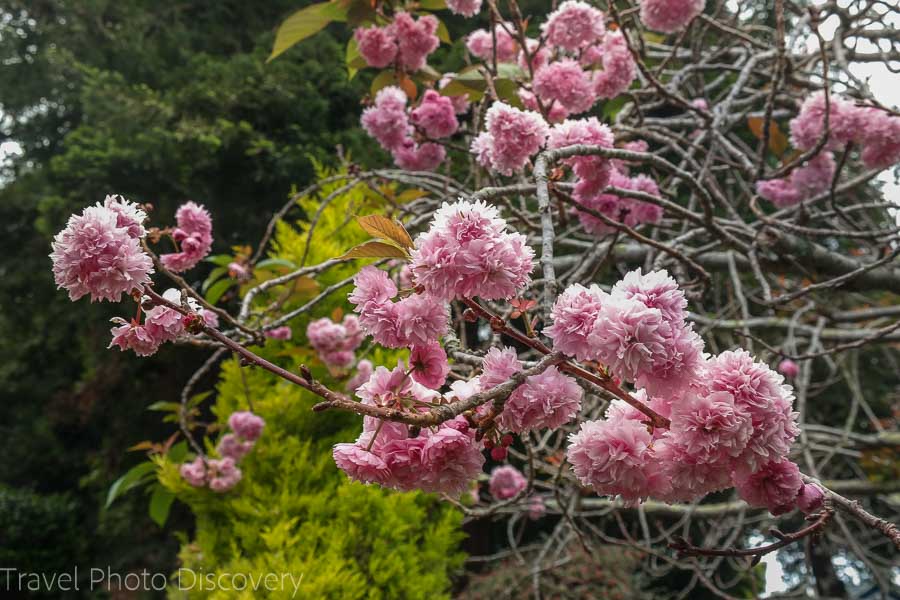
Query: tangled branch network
[(681, 248)]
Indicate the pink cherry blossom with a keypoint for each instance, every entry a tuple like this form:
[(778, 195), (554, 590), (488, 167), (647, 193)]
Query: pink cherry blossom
[(548, 399), (364, 369), (335, 342), (506, 482), (590, 132), (619, 68), (467, 252), (844, 122), (810, 498), (689, 479), (451, 458), (499, 364), (95, 255), (246, 425), (515, 136), (880, 138), (386, 119), (539, 55), (614, 457), (279, 333), (360, 464), (193, 235), (629, 211), (372, 285), (128, 215), (654, 289), (435, 115), (780, 192), (556, 112), (134, 336), (194, 472), (223, 474), (788, 368), (416, 38), (232, 446), (572, 319), (574, 25), (669, 15), (481, 44), (710, 427), (429, 364), (775, 486), (377, 45), (565, 82), (466, 8), (412, 156)]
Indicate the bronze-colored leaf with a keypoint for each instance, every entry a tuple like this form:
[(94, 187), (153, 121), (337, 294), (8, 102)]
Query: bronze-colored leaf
[(374, 249), (381, 227)]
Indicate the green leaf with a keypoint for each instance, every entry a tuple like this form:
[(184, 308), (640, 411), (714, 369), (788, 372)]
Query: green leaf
[(355, 61), (132, 478), (215, 274), (275, 262), (375, 249), (165, 406), (510, 71), (442, 32), (508, 92), (223, 260), (178, 452), (218, 289), (433, 4), (160, 504), (304, 23), (382, 80)]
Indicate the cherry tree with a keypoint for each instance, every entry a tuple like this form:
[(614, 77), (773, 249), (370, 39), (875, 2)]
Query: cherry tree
[(647, 240)]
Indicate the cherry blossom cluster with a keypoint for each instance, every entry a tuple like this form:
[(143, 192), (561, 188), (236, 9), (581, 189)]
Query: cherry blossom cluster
[(406, 40), (390, 122), (99, 253), (732, 422), (444, 459), (221, 474), (669, 16), (876, 132), (161, 324), (335, 343)]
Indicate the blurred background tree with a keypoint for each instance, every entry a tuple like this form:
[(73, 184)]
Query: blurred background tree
[(163, 103)]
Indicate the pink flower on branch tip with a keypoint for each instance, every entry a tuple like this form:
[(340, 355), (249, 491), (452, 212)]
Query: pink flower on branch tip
[(514, 137), (193, 235), (506, 482), (435, 115), (546, 400), (377, 45), (468, 252), (246, 425), (416, 38), (619, 68), (788, 368), (668, 16), (429, 364), (231, 446), (811, 498), (223, 474), (481, 44), (386, 120), (775, 486), (466, 8), (279, 333), (572, 319), (335, 343), (134, 336), (574, 25), (96, 255), (565, 82), (194, 472)]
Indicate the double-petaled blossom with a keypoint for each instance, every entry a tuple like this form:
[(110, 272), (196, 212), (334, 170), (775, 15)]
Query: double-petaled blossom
[(429, 365), (593, 172), (246, 425), (416, 319), (386, 119), (282, 332), (879, 136), (129, 215), (811, 178), (654, 289), (481, 44), (513, 136), (223, 474), (538, 55), (99, 253), (506, 482), (565, 83), (760, 392), (775, 485), (574, 25), (668, 16), (442, 459), (364, 370), (232, 446), (194, 472), (808, 127), (619, 68), (468, 252), (614, 456), (413, 156), (622, 209), (572, 319), (133, 336), (335, 342), (466, 8), (416, 39), (377, 45), (193, 236), (436, 115), (709, 428), (546, 400)]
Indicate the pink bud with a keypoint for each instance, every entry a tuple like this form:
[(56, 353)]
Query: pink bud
[(788, 368), (810, 498)]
